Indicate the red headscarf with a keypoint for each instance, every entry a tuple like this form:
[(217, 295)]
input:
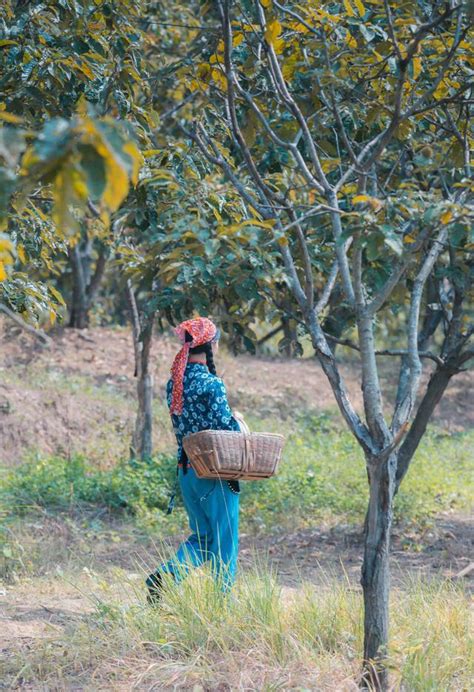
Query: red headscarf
[(202, 330)]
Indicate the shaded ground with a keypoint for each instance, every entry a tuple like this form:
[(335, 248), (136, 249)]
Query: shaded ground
[(79, 394)]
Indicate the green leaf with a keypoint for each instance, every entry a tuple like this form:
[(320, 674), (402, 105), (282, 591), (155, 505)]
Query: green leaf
[(93, 166)]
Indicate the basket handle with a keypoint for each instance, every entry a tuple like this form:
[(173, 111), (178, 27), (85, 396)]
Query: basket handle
[(242, 424)]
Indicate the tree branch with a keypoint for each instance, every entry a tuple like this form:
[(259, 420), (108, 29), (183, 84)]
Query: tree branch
[(38, 333), (408, 390)]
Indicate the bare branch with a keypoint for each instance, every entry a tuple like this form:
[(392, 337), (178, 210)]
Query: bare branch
[(293, 106), (308, 270), (290, 146), (409, 387), (395, 352), (326, 294), (341, 250), (391, 30), (229, 73), (329, 365), (205, 144), (38, 333), (399, 269)]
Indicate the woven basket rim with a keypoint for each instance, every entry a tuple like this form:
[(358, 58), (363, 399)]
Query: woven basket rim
[(236, 432)]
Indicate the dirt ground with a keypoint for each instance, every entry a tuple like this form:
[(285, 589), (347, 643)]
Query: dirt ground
[(82, 387)]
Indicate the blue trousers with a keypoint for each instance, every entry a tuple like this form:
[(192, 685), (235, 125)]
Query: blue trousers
[(213, 512)]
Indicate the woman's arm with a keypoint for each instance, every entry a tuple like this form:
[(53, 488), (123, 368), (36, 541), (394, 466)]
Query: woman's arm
[(220, 413)]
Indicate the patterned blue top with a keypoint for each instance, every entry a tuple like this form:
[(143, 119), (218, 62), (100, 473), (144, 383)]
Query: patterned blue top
[(205, 405)]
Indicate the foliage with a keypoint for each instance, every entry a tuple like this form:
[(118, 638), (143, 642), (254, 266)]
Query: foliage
[(69, 72), (58, 483), (187, 246)]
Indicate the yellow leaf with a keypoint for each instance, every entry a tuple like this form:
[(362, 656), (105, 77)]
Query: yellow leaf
[(272, 35), (350, 40), (237, 39), (117, 185), (329, 165), (360, 7), (3, 273), (79, 185), (446, 217), (52, 316), (85, 69), (409, 239), (152, 152), (416, 67), (219, 78), (132, 150), (360, 198), (441, 91), (10, 117), (81, 107), (55, 293), (266, 3), (6, 245), (63, 195), (21, 254), (349, 8)]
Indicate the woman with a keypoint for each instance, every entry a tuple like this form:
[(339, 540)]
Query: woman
[(197, 401)]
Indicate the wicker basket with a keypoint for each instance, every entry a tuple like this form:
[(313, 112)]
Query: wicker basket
[(234, 455)]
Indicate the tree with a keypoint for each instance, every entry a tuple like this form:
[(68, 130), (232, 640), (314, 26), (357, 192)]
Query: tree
[(68, 165), (58, 60), (345, 126), (184, 247)]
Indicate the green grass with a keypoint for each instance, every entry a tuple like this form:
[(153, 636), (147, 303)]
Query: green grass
[(262, 637), (322, 477)]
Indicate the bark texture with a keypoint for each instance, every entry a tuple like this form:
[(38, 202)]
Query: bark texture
[(84, 283), (375, 577), (142, 329)]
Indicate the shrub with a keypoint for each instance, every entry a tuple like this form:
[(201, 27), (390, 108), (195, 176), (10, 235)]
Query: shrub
[(60, 483)]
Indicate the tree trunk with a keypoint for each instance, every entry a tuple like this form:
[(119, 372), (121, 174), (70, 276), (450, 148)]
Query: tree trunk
[(84, 285), (290, 336), (142, 436), (142, 330), (78, 313), (375, 578)]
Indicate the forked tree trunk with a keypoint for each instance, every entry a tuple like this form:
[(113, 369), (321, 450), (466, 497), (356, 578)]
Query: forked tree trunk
[(375, 578), (84, 285)]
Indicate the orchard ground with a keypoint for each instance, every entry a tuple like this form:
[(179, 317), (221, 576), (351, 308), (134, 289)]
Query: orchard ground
[(80, 528)]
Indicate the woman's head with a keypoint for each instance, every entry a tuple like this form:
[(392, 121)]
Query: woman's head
[(197, 335), (209, 348)]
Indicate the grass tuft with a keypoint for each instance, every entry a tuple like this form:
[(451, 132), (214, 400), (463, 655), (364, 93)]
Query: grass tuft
[(261, 636)]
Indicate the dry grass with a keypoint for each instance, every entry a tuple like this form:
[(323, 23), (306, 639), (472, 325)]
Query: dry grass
[(262, 637)]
